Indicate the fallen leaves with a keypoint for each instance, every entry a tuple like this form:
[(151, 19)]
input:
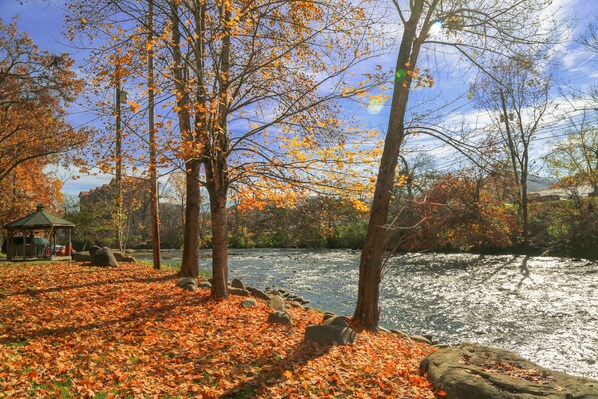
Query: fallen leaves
[(70, 331)]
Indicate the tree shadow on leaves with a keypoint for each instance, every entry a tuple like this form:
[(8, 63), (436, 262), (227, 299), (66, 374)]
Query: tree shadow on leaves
[(35, 292), (273, 373), (167, 303)]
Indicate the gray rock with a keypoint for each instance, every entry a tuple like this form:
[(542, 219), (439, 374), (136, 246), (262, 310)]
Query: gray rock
[(84, 256), (190, 287), (296, 304), (103, 257), (327, 315), (120, 257), (472, 371), (258, 293), (93, 249), (442, 346), (204, 284), (382, 329), (248, 303), (400, 333), (276, 302), (236, 283), (341, 321), (325, 334), (186, 281), (420, 338), (280, 317), (238, 291)]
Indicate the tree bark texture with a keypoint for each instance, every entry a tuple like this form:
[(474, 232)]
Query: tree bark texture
[(367, 311), (190, 262), (152, 141)]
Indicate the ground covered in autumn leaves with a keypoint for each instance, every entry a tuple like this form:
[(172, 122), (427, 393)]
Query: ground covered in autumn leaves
[(72, 330)]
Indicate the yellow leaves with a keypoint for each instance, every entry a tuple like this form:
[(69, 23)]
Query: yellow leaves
[(134, 106), (288, 374)]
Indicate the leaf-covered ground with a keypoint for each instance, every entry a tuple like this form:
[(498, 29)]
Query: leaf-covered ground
[(72, 331)]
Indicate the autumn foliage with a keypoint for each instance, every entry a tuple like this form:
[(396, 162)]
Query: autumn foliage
[(72, 331), (36, 87)]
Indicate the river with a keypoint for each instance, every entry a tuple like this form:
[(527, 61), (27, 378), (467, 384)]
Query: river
[(543, 308)]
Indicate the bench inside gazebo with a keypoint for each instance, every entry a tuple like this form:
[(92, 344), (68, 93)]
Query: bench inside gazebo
[(34, 236)]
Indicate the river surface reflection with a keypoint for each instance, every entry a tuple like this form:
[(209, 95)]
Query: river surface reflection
[(544, 308)]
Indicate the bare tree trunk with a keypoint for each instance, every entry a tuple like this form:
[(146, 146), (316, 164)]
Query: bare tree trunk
[(152, 140), (367, 311)]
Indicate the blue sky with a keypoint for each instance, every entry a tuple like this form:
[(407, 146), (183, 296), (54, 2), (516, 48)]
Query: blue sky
[(43, 21)]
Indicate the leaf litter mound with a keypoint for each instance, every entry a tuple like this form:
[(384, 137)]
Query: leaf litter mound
[(68, 330)]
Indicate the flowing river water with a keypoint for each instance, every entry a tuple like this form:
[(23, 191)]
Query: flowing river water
[(543, 308)]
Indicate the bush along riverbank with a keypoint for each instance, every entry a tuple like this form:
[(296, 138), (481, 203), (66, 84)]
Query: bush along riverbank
[(70, 330)]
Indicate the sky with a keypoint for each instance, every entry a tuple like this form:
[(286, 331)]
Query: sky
[(43, 21)]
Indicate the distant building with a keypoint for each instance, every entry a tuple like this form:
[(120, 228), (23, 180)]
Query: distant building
[(136, 205), (559, 194)]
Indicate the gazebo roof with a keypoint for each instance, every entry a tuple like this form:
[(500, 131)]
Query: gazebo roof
[(39, 219)]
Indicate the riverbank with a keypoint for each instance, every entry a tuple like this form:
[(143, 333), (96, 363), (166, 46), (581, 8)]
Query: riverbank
[(68, 330)]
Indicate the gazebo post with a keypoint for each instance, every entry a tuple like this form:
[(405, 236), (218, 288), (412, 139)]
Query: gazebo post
[(24, 246), (69, 243), (10, 251)]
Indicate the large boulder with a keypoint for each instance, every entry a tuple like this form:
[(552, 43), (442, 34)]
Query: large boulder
[(120, 257), (93, 249), (258, 293), (280, 317), (237, 283), (238, 291), (341, 321), (103, 257), (83, 256), (329, 334), (188, 283), (472, 371)]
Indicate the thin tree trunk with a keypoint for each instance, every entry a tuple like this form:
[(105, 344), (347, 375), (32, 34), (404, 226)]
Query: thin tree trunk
[(152, 140), (118, 167), (367, 311)]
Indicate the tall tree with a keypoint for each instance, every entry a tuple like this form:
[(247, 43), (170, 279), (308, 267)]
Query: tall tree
[(153, 169), (237, 65), (515, 93), (574, 160), (472, 28), (36, 87), (237, 71)]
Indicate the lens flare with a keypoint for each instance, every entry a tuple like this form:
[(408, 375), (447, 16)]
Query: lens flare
[(436, 28), (400, 75), (376, 104)]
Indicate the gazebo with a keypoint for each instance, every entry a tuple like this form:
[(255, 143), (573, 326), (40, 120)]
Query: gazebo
[(23, 243)]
